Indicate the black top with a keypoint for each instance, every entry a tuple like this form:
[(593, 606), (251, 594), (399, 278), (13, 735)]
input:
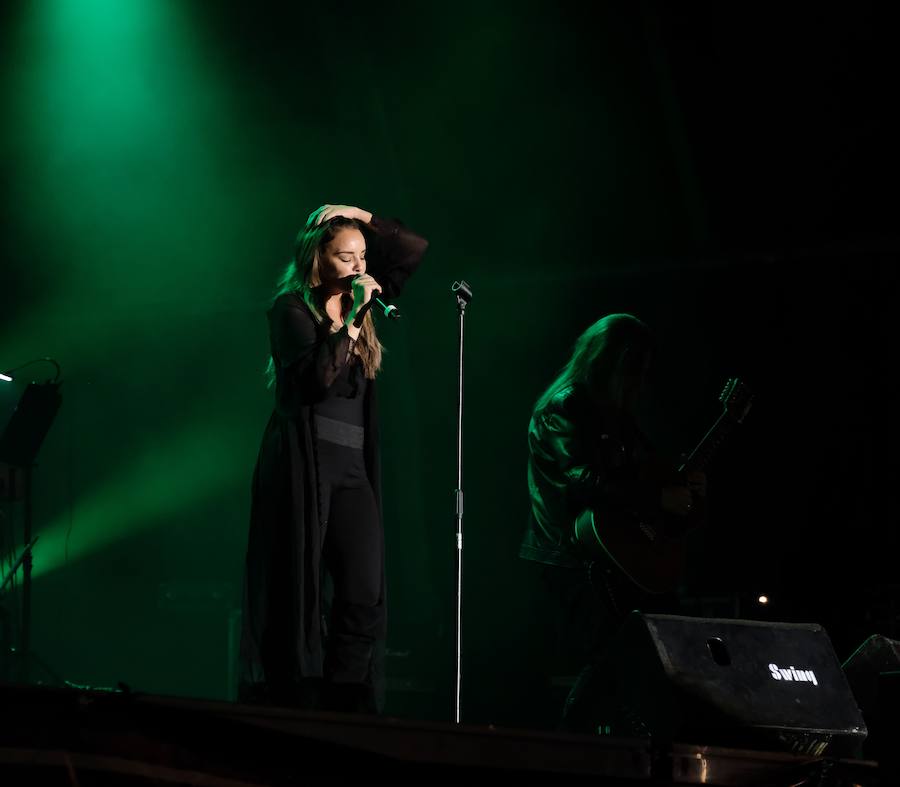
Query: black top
[(344, 401)]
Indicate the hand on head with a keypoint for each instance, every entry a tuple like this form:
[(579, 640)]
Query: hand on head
[(327, 212)]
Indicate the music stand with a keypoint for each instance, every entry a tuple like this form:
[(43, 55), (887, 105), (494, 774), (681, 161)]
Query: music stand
[(15, 566), (19, 445)]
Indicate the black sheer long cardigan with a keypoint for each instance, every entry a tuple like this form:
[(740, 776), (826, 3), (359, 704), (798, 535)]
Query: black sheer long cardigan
[(282, 627)]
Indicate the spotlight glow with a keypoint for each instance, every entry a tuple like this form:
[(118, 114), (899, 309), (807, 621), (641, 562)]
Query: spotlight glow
[(173, 473)]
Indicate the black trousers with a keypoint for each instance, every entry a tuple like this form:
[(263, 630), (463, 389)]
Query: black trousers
[(353, 556), (589, 604)]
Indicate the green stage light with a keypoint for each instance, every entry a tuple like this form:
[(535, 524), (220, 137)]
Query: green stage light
[(163, 480)]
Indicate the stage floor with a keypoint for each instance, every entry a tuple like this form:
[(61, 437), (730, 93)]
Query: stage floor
[(85, 737)]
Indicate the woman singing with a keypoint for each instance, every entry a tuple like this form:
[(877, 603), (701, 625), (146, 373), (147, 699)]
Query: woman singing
[(314, 601)]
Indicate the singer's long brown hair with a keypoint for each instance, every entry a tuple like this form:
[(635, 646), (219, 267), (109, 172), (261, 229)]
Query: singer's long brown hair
[(301, 277)]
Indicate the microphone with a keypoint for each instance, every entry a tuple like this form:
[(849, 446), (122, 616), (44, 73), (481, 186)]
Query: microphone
[(387, 309)]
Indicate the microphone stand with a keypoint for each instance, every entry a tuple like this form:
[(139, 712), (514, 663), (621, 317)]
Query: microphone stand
[(463, 296)]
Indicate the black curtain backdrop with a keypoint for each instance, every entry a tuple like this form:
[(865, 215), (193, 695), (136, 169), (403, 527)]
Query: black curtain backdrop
[(730, 175)]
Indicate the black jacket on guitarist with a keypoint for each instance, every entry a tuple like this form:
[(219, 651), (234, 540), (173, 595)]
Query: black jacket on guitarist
[(582, 454), (586, 453)]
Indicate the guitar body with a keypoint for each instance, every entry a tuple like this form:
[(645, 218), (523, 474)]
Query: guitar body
[(653, 554), (651, 559)]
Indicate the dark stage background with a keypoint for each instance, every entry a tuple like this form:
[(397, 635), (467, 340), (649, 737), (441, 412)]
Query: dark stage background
[(729, 174)]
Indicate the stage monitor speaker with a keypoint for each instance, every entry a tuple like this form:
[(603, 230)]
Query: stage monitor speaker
[(740, 683), (873, 672)]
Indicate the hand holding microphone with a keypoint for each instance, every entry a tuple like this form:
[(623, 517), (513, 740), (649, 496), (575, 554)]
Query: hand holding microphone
[(364, 289), (366, 293)]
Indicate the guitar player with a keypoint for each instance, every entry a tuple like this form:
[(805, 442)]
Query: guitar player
[(588, 454)]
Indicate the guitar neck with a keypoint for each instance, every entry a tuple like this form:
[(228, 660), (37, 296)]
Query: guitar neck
[(704, 450)]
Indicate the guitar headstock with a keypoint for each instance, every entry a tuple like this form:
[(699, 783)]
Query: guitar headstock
[(736, 398)]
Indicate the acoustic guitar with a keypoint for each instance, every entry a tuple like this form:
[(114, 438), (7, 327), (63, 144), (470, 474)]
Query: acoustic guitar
[(652, 554)]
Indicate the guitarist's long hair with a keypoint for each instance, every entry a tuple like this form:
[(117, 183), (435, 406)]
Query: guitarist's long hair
[(613, 349)]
